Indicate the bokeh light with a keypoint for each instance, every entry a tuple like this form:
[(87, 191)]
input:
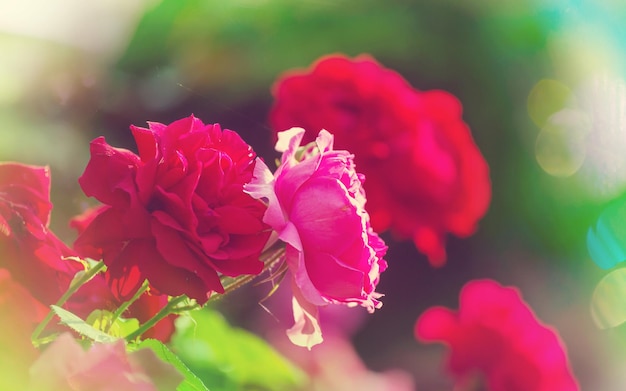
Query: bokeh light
[(542, 84), (561, 145), (607, 303)]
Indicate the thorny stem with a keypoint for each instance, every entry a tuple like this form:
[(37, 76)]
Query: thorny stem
[(165, 311), (120, 310), (270, 258), (74, 286)]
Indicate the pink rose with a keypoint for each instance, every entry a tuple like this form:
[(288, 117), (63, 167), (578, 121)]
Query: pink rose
[(28, 249), (425, 175), (65, 366), (175, 214), (495, 336), (316, 205)]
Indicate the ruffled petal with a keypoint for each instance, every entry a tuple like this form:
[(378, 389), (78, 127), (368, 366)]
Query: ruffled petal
[(306, 331)]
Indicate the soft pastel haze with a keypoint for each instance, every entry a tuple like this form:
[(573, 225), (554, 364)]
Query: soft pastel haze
[(490, 136)]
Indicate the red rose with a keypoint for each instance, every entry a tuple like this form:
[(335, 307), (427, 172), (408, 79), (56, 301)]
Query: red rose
[(96, 294), (175, 214), (28, 249), (425, 176), (495, 337)]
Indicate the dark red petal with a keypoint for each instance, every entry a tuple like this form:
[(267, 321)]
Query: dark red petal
[(110, 173)]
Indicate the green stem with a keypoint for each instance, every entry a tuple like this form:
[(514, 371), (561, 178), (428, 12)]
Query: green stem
[(74, 286), (269, 258), (120, 310), (165, 311)]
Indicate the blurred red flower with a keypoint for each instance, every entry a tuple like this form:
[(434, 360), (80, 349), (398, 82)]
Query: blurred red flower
[(20, 313), (28, 249), (496, 337), (176, 214), (425, 175)]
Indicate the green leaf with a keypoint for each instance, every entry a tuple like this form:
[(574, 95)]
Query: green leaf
[(226, 358), (191, 382), (80, 326), (101, 320)]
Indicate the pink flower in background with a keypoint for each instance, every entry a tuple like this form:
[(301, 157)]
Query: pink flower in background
[(176, 214), (316, 204), (336, 366), (28, 249), (425, 175), (65, 366), (495, 336)]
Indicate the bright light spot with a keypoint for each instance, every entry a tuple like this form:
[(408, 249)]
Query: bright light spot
[(96, 26), (606, 240), (546, 98), (560, 147), (607, 302), (603, 98)]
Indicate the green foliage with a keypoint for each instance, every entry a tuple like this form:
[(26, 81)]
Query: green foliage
[(230, 359), (120, 327), (191, 382), (216, 43), (82, 327)]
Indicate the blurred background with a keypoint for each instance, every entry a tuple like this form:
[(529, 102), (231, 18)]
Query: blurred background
[(541, 83)]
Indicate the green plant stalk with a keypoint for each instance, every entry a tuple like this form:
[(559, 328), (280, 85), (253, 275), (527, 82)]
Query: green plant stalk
[(120, 310), (165, 311), (74, 286), (269, 259)]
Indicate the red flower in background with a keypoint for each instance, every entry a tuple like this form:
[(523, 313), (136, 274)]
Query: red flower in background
[(28, 249), (20, 313), (494, 334), (425, 176), (176, 214)]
